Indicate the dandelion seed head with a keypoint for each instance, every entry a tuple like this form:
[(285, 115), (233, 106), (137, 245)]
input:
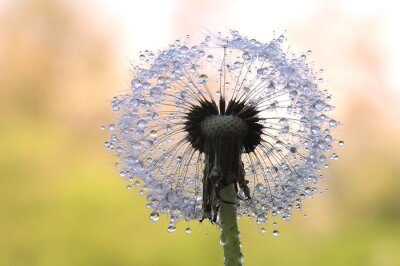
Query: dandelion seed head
[(258, 98)]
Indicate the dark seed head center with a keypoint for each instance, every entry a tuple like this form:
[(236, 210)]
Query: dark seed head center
[(224, 126)]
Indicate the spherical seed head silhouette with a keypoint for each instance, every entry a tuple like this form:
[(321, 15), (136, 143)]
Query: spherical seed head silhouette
[(228, 109)]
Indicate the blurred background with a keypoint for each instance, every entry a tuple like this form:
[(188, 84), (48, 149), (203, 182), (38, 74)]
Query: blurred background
[(61, 199)]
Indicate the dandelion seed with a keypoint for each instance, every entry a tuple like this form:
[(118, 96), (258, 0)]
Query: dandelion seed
[(223, 128)]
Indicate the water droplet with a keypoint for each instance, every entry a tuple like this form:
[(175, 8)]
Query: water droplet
[(203, 79), (188, 230), (223, 240), (241, 260), (237, 64), (154, 216), (263, 231), (319, 105), (341, 143), (333, 123), (293, 94), (263, 71), (275, 233), (334, 156), (246, 56), (279, 144), (283, 121), (102, 128), (136, 84), (176, 64), (153, 134), (141, 124), (155, 203), (171, 196), (155, 92), (304, 120), (162, 80), (184, 50), (128, 187), (111, 127), (210, 58), (315, 130), (171, 228)]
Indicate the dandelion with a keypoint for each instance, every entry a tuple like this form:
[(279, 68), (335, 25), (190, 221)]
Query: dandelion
[(223, 128)]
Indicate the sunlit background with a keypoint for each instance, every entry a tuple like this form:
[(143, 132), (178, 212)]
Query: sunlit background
[(61, 199)]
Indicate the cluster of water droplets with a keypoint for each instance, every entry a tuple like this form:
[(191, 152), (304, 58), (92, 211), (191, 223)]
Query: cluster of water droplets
[(150, 141)]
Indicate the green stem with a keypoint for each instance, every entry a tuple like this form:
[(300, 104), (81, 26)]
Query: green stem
[(230, 236)]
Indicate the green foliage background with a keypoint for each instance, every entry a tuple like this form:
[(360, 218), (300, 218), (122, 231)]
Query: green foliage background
[(61, 199)]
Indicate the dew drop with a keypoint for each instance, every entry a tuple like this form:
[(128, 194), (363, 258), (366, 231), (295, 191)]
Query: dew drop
[(176, 64), (237, 64), (334, 156), (188, 230), (154, 216), (171, 229), (263, 231), (141, 124), (136, 84), (275, 233), (223, 241), (172, 197), (128, 187), (333, 123), (210, 58), (184, 50), (153, 134), (278, 144), (241, 260), (341, 143), (203, 79), (155, 92), (262, 71), (319, 105), (293, 94)]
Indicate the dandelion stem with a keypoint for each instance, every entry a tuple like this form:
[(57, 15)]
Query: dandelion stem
[(230, 234)]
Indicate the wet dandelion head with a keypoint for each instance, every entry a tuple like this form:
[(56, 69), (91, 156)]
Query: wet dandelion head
[(228, 109)]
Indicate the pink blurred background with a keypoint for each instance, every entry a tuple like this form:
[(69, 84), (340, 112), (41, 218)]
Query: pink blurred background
[(61, 62)]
